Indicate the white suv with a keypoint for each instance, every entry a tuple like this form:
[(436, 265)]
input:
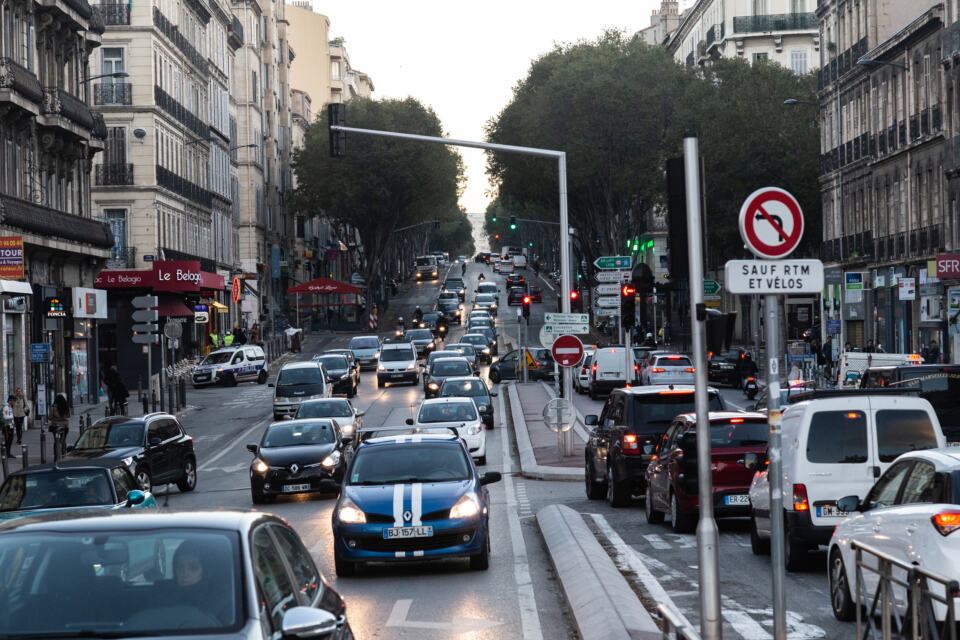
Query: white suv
[(398, 363), (231, 365), (834, 447)]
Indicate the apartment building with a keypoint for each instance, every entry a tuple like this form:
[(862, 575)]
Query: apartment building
[(663, 22), (52, 244)]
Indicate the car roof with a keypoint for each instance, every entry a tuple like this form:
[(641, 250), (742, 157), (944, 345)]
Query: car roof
[(654, 389), (442, 353), (338, 352), (446, 400), (463, 379), (474, 335), (279, 423), (80, 521), (64, 465), (944, 458), (406, 439), (717, 416), (302, 364), (366, 335), (397, 345), (457, 358), (324, 401)]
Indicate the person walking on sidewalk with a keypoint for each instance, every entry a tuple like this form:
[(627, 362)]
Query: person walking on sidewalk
[(119, 393), (60, 420), (8, 426), (21, 409)]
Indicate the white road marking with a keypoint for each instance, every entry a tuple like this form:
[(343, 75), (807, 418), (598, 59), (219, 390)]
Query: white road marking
[(459, 625), (627, 559), (243, 436), (529, 616), (656, 541)]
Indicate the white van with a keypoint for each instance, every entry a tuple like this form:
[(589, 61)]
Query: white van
[(608, 370), (427, 268), (520, 262), (852, 364), (833, 447), (230, 365)]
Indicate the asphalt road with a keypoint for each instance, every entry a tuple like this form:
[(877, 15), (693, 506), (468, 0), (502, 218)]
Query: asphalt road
[(516, 598)]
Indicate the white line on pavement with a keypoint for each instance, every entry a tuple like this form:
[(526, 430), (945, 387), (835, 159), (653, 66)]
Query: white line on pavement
[(656, 541), (243, 436), (529, 616), (628, 560)]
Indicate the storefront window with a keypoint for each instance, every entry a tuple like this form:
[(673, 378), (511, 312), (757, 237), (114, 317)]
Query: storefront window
[(81, 377)]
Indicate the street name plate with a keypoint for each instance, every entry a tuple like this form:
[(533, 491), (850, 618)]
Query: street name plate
[(144, 338), (612, 276), (608, 302), (566, 318), (572, 329), (774, 276), (607, 289)]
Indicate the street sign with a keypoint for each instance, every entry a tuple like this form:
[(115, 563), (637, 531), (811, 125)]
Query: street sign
[(148, 257), (144, 338), (558, 414), (567, 351), (558, 329), (774, 276), (771, 223), (566, 318), (606, 290), (711, 287), (608, 302), (39, 352), (613, 262), (612, 276), (173, 330), (145, 302), (547, 338), (144, 328), (145, 315)]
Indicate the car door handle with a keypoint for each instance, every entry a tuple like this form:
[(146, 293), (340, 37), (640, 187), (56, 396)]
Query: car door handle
[(876, 528), (911, 528)]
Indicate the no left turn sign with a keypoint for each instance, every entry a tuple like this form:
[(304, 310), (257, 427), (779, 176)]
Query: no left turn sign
[(771, 223)]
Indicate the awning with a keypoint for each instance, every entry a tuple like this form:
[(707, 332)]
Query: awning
[(323, 285), (172, 308), (15, 286), (221, 308)]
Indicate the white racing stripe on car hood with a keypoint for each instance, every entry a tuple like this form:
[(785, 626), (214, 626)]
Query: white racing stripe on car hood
[(398, 505), (416, 501)]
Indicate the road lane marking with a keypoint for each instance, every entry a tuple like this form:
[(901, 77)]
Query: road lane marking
[(656, 541), (627, 559), (243, 436), (460, 624)]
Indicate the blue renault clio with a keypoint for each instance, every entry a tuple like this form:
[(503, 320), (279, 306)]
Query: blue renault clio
[(412, 494)]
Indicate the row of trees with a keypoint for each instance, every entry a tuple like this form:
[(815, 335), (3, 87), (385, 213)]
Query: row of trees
[(620, 108)]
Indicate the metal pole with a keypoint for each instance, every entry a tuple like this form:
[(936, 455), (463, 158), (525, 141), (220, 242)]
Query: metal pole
[(164, 383), (566, 273), (150, 375), (774, 472), (708, 536)]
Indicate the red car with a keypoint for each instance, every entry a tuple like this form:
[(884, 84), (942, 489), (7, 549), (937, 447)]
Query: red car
[(672, 473), (536, 294)]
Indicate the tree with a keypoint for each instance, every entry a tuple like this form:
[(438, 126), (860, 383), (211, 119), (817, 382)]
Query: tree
[(382, 183)]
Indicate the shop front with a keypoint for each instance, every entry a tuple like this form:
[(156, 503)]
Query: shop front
[(326, 303), (88, 307), (14, 349)]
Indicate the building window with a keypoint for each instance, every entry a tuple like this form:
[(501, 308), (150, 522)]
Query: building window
[(759, 7), (798, 62), (761, 57), (335, 70), (798, 6), (117, 219)]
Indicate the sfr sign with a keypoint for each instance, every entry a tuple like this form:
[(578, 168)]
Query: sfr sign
[(948, 265)]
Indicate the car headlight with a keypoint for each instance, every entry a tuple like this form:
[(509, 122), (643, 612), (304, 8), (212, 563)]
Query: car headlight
[(467, 506), (486, 350), (474, 430), (348, 429), (434, 273), (260, 466), (331, 460), (411, 366), (483, 408), (128, 461), (220, 370), (433, 385), (351, 513), (278, 399), (493, 306), (381, 368)]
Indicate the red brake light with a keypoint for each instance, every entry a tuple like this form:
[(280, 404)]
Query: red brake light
[(689, 370), (673, 357), (594, 367), (676, 392), (736, 420), (657, 370), (636, 368), (946, 522), (629, 444), (800, 498)]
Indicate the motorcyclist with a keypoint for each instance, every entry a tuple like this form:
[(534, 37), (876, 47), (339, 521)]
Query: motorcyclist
[(418, 315), (482, 277), (401, 326)]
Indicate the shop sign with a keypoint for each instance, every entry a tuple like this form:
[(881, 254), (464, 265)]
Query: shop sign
[(235, 290), (55, 308), (853, 287), (11, 257), (948, 265), (908, 288), (15, 304), (931, 308), (89, 303), (123, 279), (177, 275), (953, 312)]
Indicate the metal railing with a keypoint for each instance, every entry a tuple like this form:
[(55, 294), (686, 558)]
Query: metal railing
[(113, 93), (179, 112), (882, 619), (675, 626), (170, 30), (193, 192), (775, 22), (115, 14), (114, 173)]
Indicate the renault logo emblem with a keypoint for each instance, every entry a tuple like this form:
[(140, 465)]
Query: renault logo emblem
[(294, 468), (407, 516)]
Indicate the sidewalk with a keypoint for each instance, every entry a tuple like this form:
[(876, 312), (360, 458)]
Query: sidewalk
[(536, 443)]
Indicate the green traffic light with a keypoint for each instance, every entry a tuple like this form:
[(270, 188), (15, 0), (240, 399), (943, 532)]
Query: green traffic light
[(530, 244), (494, 218), (513, 226)]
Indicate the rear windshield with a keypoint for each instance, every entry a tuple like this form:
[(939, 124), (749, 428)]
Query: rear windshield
[(738, 434), (333, 362), (298, 376), (396, 355), (325, 409), (420, 334), (364, 343), (674, 361), (902, 430), (837, 437), (659, 409), (451, 369)]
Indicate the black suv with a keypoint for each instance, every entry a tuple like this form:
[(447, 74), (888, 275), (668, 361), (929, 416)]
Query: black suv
[(154, 446), (626, 433), (731, 367)]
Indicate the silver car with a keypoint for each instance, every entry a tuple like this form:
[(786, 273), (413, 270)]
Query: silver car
[(668, 369), (466, 350)]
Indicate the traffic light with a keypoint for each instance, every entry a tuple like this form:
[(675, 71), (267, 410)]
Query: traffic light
[(628, 305), (494, 218), (574, 301), (530, 244), (496, 236), (513, 223), (337, 116), (526, 307)]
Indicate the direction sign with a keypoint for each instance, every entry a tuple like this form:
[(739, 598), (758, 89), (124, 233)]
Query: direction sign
[(608, 302), (145, 315), (39, 352), (558, 329), (547, 338), (774, 276), (607, 290), (145, 302), (771, 223), (613, 262), (145, 338), (567, 351), (612, 276), (566, 318), (558, 414), (711, 287), (144, 328)]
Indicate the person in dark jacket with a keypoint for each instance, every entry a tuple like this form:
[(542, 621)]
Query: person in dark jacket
[(119, 393)]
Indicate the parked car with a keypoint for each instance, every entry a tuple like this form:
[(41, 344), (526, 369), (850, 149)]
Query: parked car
[(308, 455), (475, 389), (440, 370), (243, 575), (625, 434), (296, 382), (155, 448), (398, 363), (672, 486), (348, 417), (343, 378), (668, 369), (366, 349)]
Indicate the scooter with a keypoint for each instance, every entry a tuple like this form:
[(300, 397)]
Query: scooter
[(399, 332), (750, 387)]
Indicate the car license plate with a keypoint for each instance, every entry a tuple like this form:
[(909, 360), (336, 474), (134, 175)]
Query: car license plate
[(741, 499), (396, 375), (830, 511), (609, 374), (290, 488), (391, 533)]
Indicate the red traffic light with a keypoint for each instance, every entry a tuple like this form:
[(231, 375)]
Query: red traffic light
[(496, 237), (526, 299), (627, 290), (574, 295)]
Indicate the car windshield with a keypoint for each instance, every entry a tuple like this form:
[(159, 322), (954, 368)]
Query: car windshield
[(738, 434), (219, 357), (476, 340), (111, 435), (445, 303), (487, 288), (447, 412), (325, 409), (442, 354), (56, 489), (431, 316), (454, 283), (183, 582), (333, 362), (661, 408), (420, 462), (463, 389), (447, 369), (420, 334), (300, 376), (464, 349), (297, 434), (346, 353), (486, 298), (425, 262), (397, 355), (364, 343)]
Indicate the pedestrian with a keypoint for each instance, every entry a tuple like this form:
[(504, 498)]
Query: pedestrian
[(846, 347), (8, 425), (826, 352), (255, 334), (880, 348), (869, 347), (119, 393), (21, 409), (60, 420), (933, 353)]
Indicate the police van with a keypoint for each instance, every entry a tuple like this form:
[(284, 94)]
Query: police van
[(230, 365)]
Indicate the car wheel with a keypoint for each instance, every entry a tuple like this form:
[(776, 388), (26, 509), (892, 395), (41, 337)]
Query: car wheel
[(758, 545), (595, 490), (495, 376), (262, 377), (794, 553), (616, 495), (481, 561), (144, 481), (653, 516), (379, 383), (189, 480), (344, 568), (679, 522), (840, 600), (353, 392), (258, 498), (593, 393)]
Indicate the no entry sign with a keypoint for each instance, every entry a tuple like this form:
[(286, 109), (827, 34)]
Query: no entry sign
[(771, 223), (567, 351)]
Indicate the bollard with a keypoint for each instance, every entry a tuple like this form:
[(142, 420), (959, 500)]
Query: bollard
[(140, 388), (3, 454), (43, 446), (106, 410), (153, 399), (89, 422), (145, 408), (183, 392), (26, 458), (170, 398)]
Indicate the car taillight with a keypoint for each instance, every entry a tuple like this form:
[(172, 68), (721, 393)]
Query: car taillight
[(800, 498), (636, 368), (657, 370), (629, 444), (689, 370), (594, 368), (946, 522)]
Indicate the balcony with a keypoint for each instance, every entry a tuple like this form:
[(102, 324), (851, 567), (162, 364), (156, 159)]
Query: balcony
[(57, 102), (183, 187), (99, 131), (180, 113), (702, 49), (951, 155), (115, 14), (97, 24), (235, 32), (714, 35), (690, 59), (170, 30), (775, 22), (113, 93), (113, 174), (46, 221), (17, 79), (122, 258)]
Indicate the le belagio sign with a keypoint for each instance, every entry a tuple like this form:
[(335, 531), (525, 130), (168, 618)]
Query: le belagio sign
[(774, 276)]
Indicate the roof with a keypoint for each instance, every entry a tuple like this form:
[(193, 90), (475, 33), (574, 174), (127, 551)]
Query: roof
[(449, 399), (948, 457), (652, 389), (300, 421), (302, 364), (136, 519), (464, 379), (95, 463), (718, 416)]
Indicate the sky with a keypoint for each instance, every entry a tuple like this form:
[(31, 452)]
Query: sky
[(463, 57)]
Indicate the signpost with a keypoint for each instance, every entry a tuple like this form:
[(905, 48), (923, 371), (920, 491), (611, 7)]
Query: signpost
[(608, 302), (147, 315), (613, 262), (711, 287), (606, 290), (567, 351), (774, 277), (612, 276), (771, 223), (39, 352)]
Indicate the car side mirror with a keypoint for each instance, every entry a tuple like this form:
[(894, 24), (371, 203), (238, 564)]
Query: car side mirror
[(490, 477), (409, 421), (252, 448), (135, 497), (590, 420), (69, 448), (155, 442), (493, 394), (849, 503), (307, 622), (360, 414)]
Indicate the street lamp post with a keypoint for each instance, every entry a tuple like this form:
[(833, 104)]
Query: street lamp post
[(115, 74)]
